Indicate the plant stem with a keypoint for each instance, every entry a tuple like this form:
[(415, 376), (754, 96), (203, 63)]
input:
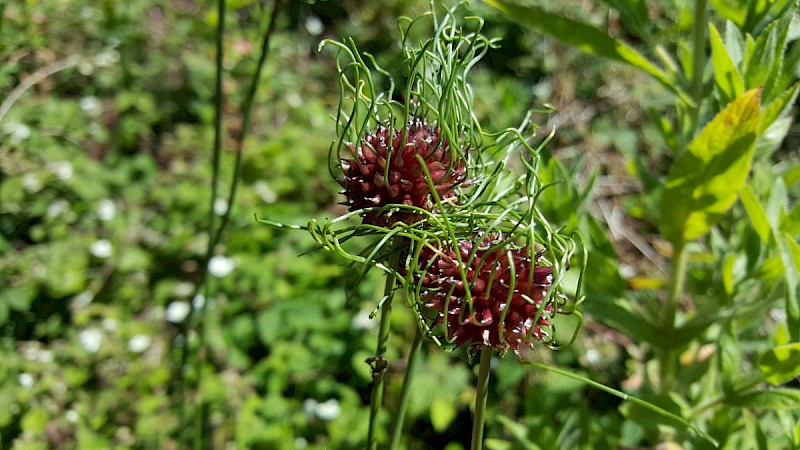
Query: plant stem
[(406, 390), (676, 281), (379, 363), (698, 64), (480, 398), (698, 49)]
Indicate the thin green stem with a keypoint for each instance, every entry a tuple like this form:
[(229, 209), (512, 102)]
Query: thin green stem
[(698, 63), (379, 364), (698, 48), (406, 390), (480, 398), (215, 170), (676, 281), (247, 109)]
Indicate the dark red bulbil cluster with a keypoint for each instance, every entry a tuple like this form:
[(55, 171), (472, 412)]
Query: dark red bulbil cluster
[(365, 177), (496, 319)]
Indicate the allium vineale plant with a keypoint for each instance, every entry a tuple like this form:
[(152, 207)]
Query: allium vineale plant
[(450, 209)]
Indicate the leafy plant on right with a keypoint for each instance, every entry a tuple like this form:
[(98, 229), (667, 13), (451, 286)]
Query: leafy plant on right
[(721, 341)]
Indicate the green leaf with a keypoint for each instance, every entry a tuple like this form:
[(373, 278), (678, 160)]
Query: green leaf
[(758, 217), (779, 106), (781, 364), (733, 10), (726, 75), (705, 180), (581, 35), (774, 399), (443, 412)]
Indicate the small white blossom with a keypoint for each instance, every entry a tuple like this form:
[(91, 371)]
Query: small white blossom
[(26, 380), (57, 207), (106, 209), (90, 105), (328, 410), (109, 324), (72, 416), (198, 301), (183, 289), (61, 169), (101, 248), (593, 356), (310, 406), (314, 26), (90, 339), (300, 443), (220, 266), (31, 182), (220, 206), (82, 300), (266, 193), (45, 356), (177, 311), (139, 343), (362, 321), (18, 131)]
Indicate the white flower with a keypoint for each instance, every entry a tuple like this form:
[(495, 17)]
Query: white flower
[(90, 105), (300, 443), (309, 406), (362, 321), (101, 248), (61, 169), (328, 410), (177, 311), (198, 301), (106, 209), (45, 356), (18, 131), (90, 339), (109, 324), (82, 300), (57, 207), (220, 266), (31, 182), (220, 206), (139, 343), (72, 416), (314, 26), (592, 356), (183, 289), (265, 192), (26, 380)]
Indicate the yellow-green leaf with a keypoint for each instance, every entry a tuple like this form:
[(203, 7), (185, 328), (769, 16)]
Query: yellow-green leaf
[(726, 75), (781, 364), (705, 180), (758, 217), (443, 412)]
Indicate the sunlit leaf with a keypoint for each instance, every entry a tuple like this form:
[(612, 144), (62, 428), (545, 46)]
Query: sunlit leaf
[(443, 411), (705, 180), (726, 75), (781, 364), (758, 218), (774, 399)]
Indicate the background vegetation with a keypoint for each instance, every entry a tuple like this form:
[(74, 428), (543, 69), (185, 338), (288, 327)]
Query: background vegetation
[(106, 121)]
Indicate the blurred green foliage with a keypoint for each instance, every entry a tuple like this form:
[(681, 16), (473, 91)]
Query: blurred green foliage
[(105, 137)]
